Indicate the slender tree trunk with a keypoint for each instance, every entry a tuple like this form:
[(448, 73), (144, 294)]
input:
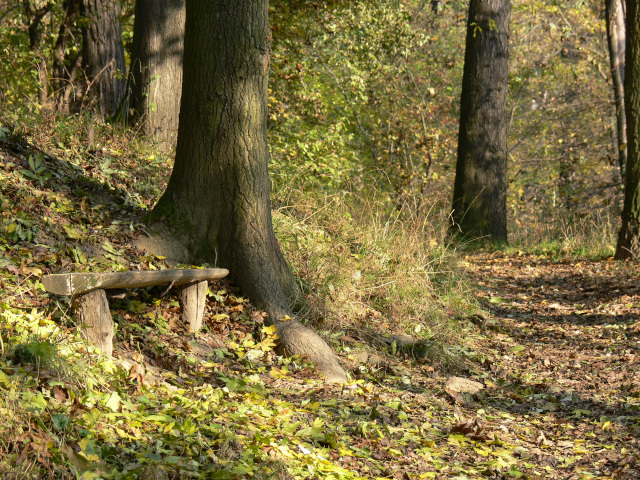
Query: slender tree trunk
[(35, 17), (65, 68), (480, 189), (156, 67), (629, 236), (216, 208), (103, 54), (615, 17)]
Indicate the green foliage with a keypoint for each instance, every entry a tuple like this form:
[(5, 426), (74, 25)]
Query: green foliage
[(562, 154), (367, 92), (35, 352), (355, 97)]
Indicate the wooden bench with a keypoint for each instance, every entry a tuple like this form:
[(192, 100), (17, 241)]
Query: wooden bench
[(92, 308)]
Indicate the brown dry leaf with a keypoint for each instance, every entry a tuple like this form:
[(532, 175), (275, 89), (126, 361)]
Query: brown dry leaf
[(59, 394), (136, 373), (12, 269), (22, 437), (258, 316), (471, 428)]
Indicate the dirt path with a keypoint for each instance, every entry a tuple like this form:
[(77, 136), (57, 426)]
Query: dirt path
[(563, 348)]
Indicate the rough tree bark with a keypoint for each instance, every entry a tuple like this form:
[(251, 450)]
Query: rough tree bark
[(156, 67), (103, 54), (216, 208), (629, 235), (615, 17), (480, 188)]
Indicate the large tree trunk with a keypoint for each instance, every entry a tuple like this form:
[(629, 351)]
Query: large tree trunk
[(615, 13), (216, 207), (156, 67), (629, 236), (103, 54), (480, 189)]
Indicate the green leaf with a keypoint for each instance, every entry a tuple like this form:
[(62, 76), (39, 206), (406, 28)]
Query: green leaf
[(60, 421), (73, 233)]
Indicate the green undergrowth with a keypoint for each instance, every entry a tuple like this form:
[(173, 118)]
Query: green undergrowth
[(219, 404)]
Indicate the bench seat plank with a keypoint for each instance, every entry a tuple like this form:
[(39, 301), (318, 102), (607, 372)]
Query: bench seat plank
[(80, 283)]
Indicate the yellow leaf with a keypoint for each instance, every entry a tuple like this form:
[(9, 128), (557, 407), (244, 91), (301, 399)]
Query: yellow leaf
[(4, 379), (271, 330), (277, 373), (482, 451)]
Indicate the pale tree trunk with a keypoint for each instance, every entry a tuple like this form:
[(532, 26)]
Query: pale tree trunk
[(629, 236), (103, 54), (615, 17), (156, 67), (480, 190), (216, 208)]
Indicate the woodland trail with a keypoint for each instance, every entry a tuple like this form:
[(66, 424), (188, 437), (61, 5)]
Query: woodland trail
[(562, 360)]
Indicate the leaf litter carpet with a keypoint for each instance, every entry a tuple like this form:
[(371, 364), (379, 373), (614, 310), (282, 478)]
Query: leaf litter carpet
[(560, 357)]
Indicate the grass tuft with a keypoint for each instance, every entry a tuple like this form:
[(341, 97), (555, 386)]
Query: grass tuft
[(592, 236), (363, 265)]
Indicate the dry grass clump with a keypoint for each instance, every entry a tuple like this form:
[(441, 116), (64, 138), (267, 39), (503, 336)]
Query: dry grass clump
[(593, 235), (363, 265)]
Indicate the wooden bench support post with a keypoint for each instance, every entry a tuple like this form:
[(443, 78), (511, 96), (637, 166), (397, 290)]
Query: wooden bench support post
[(93, 314), (192, 301), (92, 309)]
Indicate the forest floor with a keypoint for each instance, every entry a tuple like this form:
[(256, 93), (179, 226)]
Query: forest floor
[(555, 352), (562, 364)]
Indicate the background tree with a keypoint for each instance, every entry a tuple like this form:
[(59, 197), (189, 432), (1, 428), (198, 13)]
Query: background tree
[(36, 16), (66, 66), (615, 13), (103, 54), (480, 188), (216, 208), (156, 66), (629, 235)]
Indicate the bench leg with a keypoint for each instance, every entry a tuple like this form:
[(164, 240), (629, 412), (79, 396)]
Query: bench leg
[(93, 314), (192, 300)]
